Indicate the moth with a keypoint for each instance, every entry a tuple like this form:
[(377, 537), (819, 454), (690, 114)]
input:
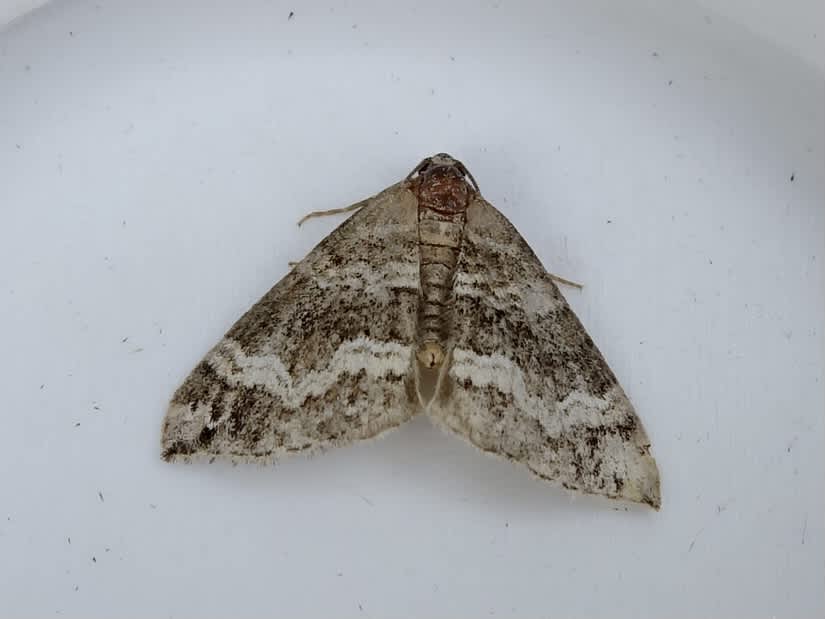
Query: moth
[(427, 299)]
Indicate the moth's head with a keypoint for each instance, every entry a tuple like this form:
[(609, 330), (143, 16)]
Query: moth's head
[(443, 165), (443, 159), (443, 184)]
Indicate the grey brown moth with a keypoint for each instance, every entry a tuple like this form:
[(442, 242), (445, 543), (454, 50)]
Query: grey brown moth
[(426, 299)]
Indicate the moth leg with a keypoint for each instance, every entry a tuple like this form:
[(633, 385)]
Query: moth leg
[(566, 282), (334, 211)]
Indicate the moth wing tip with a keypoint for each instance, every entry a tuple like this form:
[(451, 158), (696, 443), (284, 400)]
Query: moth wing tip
[(648, 488)]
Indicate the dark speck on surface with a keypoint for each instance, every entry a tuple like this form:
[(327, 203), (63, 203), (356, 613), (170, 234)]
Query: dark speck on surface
[(291, 15), (793, 176)]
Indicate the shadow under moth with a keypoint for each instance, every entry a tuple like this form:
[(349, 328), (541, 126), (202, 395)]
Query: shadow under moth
[(426, 299)]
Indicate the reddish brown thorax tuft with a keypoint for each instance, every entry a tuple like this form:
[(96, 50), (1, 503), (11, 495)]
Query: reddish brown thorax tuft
[(441, 185)]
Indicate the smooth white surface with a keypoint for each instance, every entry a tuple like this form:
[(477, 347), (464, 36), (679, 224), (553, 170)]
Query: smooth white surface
[(797, 26), (153, 160), (794, 25)]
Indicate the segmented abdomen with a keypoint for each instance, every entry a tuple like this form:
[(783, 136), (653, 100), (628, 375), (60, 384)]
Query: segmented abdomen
[(439, 244)]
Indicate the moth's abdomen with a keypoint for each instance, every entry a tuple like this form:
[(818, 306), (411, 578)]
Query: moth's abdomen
[(438, 255), (443, 196)]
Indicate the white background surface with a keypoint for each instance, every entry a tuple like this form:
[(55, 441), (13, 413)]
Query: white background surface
[(153, 160)]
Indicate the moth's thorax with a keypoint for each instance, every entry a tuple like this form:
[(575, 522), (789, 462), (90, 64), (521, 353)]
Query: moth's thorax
[(443, 189), (443, 184)]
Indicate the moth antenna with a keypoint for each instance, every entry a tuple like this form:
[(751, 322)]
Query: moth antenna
[(424, 163), (466, 173)]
